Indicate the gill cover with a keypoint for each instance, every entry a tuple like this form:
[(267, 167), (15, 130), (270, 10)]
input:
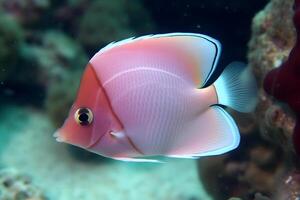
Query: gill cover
[(90, 96)]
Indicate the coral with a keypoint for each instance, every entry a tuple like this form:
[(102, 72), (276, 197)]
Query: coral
[(25, 11), (11, 37), (289, 187), (103, 22), (54, 55), (69, 14), (16, 186), (272, 39), (283, 82), (54, 61), (107, 21), (253, 168)]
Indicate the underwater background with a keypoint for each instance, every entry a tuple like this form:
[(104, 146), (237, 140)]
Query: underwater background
[(44, 47)]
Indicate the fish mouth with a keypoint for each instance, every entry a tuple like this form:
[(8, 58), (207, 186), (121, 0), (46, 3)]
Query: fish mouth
[(58, 136)]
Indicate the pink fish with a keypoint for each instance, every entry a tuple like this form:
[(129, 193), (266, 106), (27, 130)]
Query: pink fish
[(148, 96)]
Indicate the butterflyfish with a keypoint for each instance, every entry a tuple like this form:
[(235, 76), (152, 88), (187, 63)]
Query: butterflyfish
[(149, 96)]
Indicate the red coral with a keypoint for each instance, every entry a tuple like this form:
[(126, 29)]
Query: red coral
[(283, 83)]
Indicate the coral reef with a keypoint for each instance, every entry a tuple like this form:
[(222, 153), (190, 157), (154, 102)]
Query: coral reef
[(260, 167), (272, 39), (15, 186), (283, 82)]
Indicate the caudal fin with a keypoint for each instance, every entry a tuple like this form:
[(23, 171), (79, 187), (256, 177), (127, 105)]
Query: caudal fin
[(236, 88)]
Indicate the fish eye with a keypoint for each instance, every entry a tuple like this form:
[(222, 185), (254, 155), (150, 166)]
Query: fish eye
[(83, 116)]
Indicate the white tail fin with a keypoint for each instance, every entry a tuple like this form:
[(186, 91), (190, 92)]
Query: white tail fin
[(236, 88)]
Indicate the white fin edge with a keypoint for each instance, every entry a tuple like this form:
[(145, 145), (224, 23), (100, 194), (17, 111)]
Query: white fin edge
[(137, 160), (236, 134), (182, 156), (134, 39)]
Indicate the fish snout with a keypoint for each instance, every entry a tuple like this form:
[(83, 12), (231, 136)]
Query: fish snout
[(59, 136)]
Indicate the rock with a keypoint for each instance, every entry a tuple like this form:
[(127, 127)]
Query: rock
[(16, 186)]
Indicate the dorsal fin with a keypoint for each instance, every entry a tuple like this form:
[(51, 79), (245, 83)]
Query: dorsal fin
[(204, 50)]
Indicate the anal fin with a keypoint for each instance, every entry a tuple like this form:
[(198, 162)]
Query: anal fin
[(214, 132)]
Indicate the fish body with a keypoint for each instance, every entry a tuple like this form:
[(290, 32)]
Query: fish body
[(148, 96)]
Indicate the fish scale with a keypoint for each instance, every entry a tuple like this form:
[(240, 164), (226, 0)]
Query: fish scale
[(150, 109)]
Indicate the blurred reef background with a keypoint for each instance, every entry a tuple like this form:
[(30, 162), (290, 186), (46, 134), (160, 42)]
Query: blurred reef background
[(265, 166), (44, 47)]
